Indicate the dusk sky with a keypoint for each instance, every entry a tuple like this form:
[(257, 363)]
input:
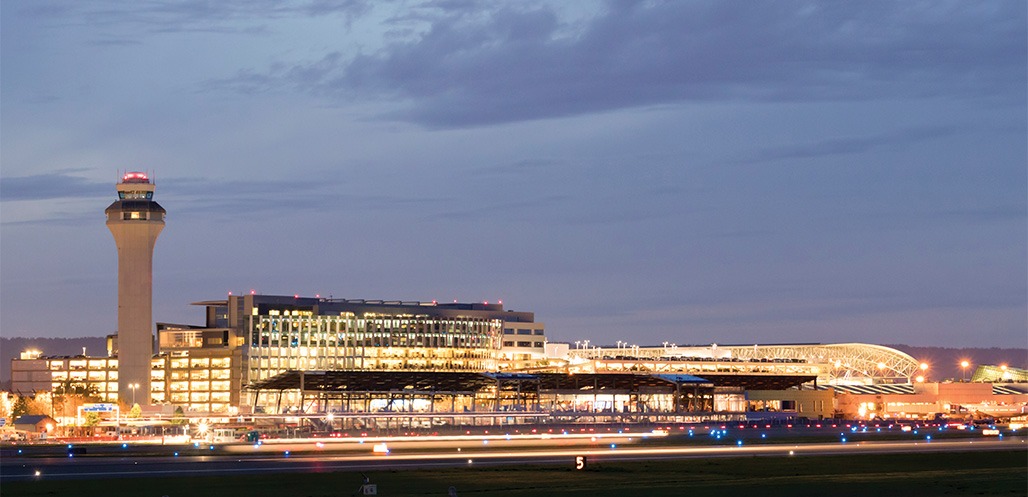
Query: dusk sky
[(690, 172)]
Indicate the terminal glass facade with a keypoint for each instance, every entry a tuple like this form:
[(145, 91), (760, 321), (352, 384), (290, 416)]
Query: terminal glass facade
[(283, 340)]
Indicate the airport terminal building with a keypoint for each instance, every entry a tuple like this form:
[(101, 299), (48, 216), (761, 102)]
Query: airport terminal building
[(250, 338), (279, 354)]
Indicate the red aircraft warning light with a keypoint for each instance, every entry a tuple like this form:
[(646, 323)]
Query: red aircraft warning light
[(135, 177)]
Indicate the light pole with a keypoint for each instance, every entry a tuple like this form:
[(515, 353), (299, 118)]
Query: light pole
[(133, 387), (963, 365)]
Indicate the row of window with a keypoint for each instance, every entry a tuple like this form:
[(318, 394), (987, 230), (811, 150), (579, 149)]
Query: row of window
[(135, 195), (183, 397), (512, 331), (522, 344), (200, 362), (195, 374), (83, 375), (185, 386), (349, 324), (373, 340), (81, 364)]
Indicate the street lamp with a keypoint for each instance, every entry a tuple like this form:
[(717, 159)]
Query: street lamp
[(963, 365), (133, 387)]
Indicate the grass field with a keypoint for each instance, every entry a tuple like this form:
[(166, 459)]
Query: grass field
[(932, 474)]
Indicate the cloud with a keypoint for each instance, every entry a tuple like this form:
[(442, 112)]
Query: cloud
[(524, 167), (853, 144), (456, 67), (54, 185), (511, 209), (159, 16)]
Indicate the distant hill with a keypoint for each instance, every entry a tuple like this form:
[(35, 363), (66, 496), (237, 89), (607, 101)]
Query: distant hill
[(11, 348), (945, 362)]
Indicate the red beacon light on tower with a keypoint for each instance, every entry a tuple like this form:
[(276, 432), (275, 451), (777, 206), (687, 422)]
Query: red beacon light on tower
[(135, 177)]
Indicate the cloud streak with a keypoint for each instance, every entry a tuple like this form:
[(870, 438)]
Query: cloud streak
[(159, 16), (853, 144), (56, 185)]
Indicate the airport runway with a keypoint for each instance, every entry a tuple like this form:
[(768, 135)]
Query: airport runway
[(26, 468)]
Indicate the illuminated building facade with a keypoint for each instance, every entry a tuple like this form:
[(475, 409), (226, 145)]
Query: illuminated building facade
[(250, 338), (290, 333)]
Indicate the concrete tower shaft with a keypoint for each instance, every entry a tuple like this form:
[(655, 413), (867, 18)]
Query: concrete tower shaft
[(135, 220)]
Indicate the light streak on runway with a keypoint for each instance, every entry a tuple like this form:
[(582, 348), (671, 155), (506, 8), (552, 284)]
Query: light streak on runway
[(85, 468)]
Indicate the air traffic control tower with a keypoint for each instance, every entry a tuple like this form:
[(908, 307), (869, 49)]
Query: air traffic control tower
[(135, 220)]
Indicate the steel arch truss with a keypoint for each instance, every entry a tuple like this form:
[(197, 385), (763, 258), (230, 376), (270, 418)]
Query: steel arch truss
[(842, 363)]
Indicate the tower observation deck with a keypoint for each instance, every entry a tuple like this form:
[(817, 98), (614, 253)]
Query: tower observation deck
[(135, 220)]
